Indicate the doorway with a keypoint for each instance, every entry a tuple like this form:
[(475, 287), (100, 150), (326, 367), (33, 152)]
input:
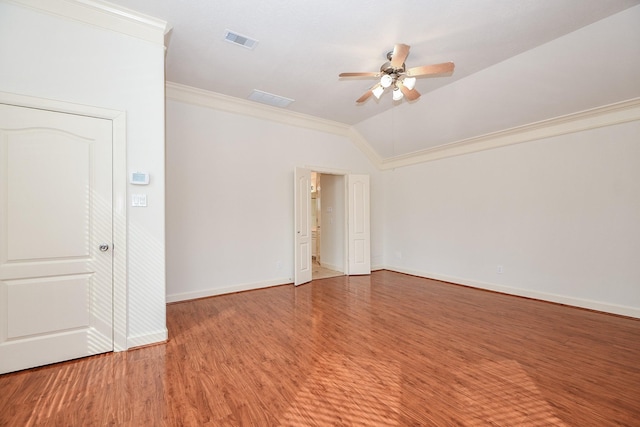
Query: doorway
[(327, 225), (354, 199)]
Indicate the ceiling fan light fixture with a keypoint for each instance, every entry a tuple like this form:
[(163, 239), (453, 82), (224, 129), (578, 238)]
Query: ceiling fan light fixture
[(394, 74), (377, 91), (386, 81), (409, 82)]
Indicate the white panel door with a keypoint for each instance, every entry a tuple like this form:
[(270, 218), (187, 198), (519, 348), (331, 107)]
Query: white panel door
[(302, 202), (359, 224), (56, 298)]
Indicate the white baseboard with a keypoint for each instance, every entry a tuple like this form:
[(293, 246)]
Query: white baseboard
[(543, 296), (146, 339), (184, 296)]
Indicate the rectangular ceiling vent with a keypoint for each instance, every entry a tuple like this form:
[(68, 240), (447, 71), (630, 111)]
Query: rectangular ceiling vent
[(270, 99), (239, 39)]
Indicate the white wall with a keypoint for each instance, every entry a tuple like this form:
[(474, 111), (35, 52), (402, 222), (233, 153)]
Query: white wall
[(333, 228), (223, 168), (560, 215), (46, 56)]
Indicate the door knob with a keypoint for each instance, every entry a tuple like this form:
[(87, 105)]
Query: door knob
[(104, 247)]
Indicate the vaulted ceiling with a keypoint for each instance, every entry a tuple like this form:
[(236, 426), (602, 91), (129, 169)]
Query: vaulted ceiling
[(516, 62)]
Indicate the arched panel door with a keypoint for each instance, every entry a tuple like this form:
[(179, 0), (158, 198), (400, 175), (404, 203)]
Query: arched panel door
[(56, 276)]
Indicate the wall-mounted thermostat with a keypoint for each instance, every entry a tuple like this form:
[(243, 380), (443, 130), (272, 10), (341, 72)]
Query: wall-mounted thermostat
[(139, 178)]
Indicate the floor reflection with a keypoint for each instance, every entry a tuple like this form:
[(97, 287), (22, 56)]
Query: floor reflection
[(502, 394), (347, 391)]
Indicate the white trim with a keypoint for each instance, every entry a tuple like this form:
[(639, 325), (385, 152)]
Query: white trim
[(621, 112), (359, 141), (157, 337), (230, 104), (104, 15), (327, 171), (118, 119), (185, 296), (120, 314), (527, 293)]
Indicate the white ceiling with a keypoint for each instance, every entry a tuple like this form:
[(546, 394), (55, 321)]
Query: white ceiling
[(516, 61)]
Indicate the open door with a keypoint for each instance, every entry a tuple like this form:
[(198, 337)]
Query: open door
[(302, 205), (358, 225)]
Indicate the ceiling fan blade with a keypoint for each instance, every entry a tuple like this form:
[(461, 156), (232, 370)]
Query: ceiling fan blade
[(359, 74), (431, 70), (400, 53), (364, 97), (410, 94), (368, 94)]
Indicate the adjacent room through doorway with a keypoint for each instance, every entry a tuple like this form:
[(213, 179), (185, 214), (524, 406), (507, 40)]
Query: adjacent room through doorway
[(327, 225)]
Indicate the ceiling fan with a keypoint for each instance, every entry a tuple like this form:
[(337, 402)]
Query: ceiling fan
[(394, 74)]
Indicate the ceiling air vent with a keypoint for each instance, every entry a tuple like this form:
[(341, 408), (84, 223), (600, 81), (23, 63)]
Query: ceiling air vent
[(270, 99), (239, 39)]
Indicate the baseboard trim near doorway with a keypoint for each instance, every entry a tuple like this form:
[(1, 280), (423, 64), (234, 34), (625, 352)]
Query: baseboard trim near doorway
[(204, 293)]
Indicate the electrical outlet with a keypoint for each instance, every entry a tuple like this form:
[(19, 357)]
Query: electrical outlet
[(500, 269)]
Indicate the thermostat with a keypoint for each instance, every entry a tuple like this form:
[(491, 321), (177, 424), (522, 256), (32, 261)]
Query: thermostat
[(139, 178)]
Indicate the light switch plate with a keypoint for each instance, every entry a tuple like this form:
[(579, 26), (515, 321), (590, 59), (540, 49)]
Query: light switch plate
[(139, 200)]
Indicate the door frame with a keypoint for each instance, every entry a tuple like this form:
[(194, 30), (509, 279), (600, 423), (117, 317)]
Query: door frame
[(119, 200), (345, 174)]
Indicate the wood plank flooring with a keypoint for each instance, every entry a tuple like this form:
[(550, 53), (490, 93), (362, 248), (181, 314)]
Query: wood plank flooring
[(386, 349)]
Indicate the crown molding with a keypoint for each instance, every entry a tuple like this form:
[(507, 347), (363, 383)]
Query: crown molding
[(364, 146), (217, 101), (608, 115), (104, 15), (230, 104), (621, 112)]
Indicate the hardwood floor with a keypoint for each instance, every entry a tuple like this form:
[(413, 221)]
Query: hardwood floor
[(386, 349)]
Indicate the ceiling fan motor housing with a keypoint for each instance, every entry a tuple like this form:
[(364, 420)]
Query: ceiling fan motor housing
[(386, 68), (394, 73)]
